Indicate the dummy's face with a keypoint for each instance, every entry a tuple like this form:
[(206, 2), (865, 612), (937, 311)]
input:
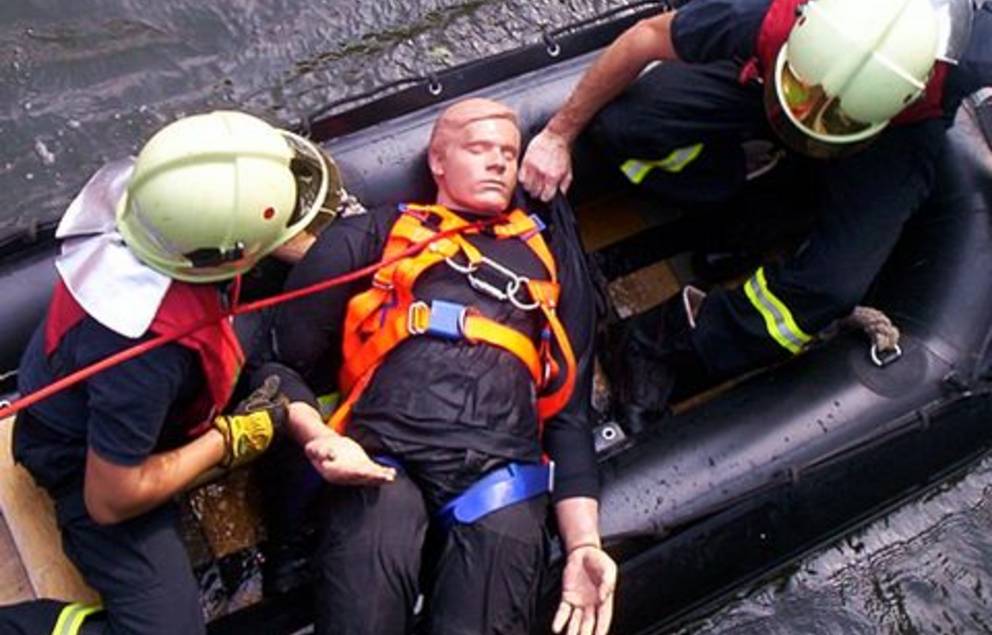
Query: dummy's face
[(477, 170)]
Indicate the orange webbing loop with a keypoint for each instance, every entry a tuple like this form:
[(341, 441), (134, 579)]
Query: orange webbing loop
[(479, 328), (546, 294), (526, 229)]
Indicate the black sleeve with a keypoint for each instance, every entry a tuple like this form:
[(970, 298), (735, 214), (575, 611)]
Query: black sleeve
[(129, 402), (568, 435), (307, 331), (716, 30)]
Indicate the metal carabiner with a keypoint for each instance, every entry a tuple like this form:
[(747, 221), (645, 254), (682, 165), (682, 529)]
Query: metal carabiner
[(489, 289), (466, 269), (522, 282), (512, 281)]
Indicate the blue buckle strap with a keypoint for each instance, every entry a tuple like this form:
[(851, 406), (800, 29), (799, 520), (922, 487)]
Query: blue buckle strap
[(509, 485), (442, 319)]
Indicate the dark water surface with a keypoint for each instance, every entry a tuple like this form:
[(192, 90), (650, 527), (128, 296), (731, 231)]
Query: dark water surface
[(925, 568), (83, 81)]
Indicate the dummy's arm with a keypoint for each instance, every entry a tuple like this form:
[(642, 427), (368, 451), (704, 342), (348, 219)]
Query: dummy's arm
[(590, 575), (337, 458)]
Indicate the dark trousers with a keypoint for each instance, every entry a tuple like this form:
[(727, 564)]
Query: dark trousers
[(139, 567), (477, 579), (702, 113)]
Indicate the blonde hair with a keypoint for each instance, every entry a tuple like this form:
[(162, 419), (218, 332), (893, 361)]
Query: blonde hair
[(461, 114)]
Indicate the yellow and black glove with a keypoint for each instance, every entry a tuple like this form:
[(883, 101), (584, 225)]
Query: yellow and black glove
[(255, 422)]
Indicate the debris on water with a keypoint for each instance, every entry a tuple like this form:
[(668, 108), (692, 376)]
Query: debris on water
[(47, 156), (29, 176), (74, 124)]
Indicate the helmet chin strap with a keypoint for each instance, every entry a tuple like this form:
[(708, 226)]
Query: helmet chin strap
[(211, 257)]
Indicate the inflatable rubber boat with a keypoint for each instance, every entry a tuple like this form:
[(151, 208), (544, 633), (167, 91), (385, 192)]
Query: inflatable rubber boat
[(740, 484)]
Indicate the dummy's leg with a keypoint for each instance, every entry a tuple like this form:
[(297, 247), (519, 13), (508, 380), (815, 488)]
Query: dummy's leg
[(139, 567), (865, 201), (488, 573), (368, 562)]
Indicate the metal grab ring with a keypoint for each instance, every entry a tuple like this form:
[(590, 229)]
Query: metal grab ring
[(434, 86), (886, 357), (550, 45), (466, 269), (520, 304)]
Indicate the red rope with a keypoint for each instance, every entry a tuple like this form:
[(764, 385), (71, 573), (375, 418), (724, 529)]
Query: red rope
[(160, 340)]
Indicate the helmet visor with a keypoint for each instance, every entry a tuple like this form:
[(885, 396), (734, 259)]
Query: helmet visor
[(813, 109), (318, 181)]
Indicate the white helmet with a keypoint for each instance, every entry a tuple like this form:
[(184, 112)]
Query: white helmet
[(848, 67), (211, 194)]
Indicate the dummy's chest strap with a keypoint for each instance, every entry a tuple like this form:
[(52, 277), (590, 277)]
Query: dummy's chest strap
[(382, 317)]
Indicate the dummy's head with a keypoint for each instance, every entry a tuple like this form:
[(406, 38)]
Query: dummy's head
[(212, 194), (473, 156)]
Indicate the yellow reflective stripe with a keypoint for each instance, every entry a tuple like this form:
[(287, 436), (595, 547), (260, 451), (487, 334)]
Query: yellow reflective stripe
[(677, 160), (637, 170), (778, 319), (71, 618)]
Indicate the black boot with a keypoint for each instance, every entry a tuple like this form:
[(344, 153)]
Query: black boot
[(652, 361)]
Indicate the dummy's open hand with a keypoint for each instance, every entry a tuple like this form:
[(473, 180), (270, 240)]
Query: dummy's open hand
[(587, 586), (547, 166), (343, 462)]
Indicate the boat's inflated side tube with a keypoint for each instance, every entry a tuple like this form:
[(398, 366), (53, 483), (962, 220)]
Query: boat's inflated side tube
[(387, 163), (25, 288), (786, 458), (383, 164)]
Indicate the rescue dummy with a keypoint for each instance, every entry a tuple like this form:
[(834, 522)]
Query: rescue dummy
[(460, 368), (145, 247), (862, 87)]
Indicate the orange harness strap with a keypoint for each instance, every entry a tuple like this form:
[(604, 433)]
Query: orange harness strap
[(382, 317)]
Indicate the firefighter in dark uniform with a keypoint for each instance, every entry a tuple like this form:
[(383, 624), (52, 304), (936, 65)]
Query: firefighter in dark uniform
[(144, 246), (864, 86), (460, 364)]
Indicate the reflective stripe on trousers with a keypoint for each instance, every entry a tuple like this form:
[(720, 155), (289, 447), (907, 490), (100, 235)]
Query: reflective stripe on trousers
[(636, 170), (72, 616), (779, 323)]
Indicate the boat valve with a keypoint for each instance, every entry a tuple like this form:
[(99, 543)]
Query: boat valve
[(608, 436)]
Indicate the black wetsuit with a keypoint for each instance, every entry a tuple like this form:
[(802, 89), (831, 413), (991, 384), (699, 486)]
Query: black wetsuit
[(693, 115), (449, 412)]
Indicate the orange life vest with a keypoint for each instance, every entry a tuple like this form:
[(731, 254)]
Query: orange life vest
[(774, 33), (385, 315)]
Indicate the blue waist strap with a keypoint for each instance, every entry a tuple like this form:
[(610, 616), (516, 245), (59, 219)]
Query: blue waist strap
[(500, 488)]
